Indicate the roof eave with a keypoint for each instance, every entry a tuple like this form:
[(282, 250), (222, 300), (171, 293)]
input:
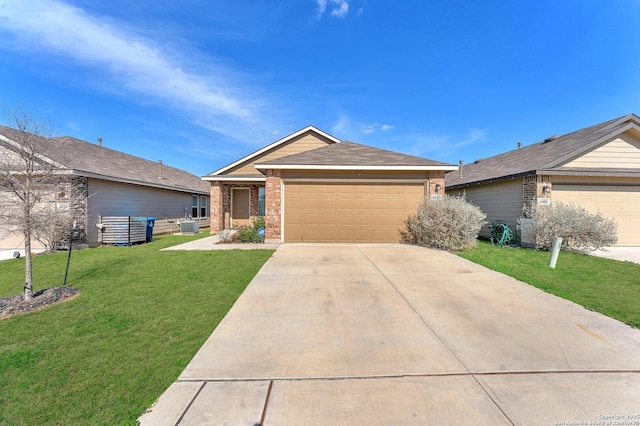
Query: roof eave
[(490, 180), (354, 167), (232, 178), (138, 182), (591, 172)]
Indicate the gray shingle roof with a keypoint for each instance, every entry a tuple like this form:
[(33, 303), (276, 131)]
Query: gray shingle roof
[(352, 154), (86, 158), (545, 155)]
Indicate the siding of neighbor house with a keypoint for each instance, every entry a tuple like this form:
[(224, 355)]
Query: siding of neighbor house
[(107, 198), (500, 201), (622, 152), (615, 198), (305, 142), (14, 242)]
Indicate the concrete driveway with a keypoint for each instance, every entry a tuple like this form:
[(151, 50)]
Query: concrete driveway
[(396, 334)]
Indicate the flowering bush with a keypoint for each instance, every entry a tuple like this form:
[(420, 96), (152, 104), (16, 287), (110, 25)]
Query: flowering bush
[(579, 229), (450, 223)]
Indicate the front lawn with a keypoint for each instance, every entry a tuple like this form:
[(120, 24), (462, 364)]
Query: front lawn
[(107, 355), (607, 286)]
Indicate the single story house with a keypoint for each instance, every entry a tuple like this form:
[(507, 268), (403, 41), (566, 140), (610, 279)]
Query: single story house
[(312, 187), (103, 182), (597, 168)]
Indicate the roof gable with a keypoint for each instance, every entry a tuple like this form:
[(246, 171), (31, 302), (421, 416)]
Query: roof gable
[(244, 165), (623, 152), (351, 155), (549, 154)]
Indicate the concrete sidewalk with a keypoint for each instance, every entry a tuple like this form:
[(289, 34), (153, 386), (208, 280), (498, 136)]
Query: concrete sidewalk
[(627, 254), (396, 334), (213, 243)]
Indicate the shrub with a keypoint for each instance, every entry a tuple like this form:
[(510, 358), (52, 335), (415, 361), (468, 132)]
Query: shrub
[(258, 222), (579, 229), (450, 223), (227, 235), (249, 234), (52, 228)]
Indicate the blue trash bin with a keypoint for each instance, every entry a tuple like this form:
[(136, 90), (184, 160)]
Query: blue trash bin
[(150, 222)]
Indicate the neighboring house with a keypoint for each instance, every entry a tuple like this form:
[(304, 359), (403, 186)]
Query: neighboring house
[(312, 187), (597, 168), (111, 183)]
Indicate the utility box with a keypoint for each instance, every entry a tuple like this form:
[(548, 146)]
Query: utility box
[(527, 233), (189, 227)]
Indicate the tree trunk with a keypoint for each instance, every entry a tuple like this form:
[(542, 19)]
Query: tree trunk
[(28, 281), (28, 284)]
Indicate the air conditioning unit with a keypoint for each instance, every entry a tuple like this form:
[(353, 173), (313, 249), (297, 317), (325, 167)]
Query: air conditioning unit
[(189, 227)]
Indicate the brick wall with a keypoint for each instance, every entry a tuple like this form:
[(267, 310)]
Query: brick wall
[(79, 195), (253, 201), (273, 203), (217, 214), (532, 189), (436, 178)]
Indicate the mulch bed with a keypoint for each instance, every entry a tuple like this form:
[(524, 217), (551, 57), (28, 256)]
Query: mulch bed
[(16, 305)]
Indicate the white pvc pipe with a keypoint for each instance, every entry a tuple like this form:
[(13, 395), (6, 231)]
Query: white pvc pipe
[(555, 250)]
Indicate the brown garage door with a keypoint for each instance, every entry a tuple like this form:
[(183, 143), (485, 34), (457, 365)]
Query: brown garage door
[(621, 203), (348, 212)]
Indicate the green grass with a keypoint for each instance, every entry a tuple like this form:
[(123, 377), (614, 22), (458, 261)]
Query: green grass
[(107, 355), (607, 286)]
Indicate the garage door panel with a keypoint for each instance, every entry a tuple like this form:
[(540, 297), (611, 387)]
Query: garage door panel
[(343, 212), (621, 203)]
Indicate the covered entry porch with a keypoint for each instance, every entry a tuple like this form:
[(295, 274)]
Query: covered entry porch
[(236, 204)]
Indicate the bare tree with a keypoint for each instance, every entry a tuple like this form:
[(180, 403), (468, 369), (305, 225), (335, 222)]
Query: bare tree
[(28, 179)]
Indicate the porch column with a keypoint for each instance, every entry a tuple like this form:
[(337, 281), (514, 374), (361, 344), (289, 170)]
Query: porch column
[(273, 203), (217, 211)]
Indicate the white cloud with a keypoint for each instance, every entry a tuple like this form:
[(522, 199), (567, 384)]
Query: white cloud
[(322, 6), (372, 128), (139, 67), (339, 8), (443, 146), (473, 136), (341, 127)]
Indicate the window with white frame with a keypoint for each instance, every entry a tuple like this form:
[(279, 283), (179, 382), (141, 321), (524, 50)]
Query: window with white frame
[(198, 206), (203, 206), (194, 206)]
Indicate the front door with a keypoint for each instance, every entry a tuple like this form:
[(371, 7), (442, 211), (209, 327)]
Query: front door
[(239, 207)]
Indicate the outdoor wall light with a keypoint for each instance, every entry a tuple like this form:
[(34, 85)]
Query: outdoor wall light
[(546, 189), (438, 187)]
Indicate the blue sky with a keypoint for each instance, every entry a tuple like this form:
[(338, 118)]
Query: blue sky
[(200, 83)]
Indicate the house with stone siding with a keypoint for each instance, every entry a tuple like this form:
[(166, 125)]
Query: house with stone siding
[(312, 187), (99, 181), (597, 167)]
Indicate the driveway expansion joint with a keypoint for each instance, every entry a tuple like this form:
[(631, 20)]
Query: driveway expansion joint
[(411, 375)]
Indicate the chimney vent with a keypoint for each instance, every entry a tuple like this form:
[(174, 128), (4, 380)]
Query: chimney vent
[(100, 141), (460, 169), (159, 169)]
